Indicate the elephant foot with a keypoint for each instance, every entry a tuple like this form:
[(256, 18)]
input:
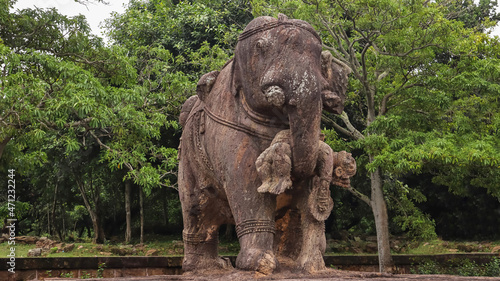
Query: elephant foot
[(311, 263), (276, 187), (193, 262), (263, 262)]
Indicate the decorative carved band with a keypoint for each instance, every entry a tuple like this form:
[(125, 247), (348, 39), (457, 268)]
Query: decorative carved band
[(197, 238), (252, 226), (235, 126), (282, 21)]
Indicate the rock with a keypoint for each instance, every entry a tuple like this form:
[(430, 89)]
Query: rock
[(122, 251), (344, 235), (467, 248), (80, 247), (105, 253), (35, 252), (68, 248), (452, 250), (371, 248), (335, 247), (59, 247), (46, 244), (356, 250), (495, 249), (26, 240), (152, 252)]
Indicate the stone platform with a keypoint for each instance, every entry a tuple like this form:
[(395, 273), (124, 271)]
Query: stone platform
[(329, 275)]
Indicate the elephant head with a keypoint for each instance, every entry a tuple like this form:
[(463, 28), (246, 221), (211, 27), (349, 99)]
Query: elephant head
[(277, 69)]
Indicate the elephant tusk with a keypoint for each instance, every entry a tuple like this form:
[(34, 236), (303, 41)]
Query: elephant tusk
[(275, 95)]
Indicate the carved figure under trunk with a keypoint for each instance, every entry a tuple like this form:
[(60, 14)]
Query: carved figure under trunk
[(251, 153)]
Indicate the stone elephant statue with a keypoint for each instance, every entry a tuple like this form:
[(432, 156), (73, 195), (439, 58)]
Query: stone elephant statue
[(252, 124)]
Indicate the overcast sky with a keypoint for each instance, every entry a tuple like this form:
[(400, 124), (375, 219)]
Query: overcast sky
[(94, 12)]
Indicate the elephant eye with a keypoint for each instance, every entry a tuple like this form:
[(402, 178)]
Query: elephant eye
[(262, 44)]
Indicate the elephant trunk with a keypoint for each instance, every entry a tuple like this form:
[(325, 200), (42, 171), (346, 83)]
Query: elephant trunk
[(304, 119)]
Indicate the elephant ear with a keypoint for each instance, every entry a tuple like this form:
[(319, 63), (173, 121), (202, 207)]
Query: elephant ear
[(205, 84), (186, 109), (335, 74), (235, 77)]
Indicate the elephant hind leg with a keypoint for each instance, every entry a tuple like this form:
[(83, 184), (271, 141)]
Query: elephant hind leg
[(201, 241), (202, 254), (203, 213)]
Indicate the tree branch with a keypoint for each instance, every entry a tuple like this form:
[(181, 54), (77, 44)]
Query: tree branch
[(98, 140), (405, 53), (357, 135), (359, 195), (383, 104), (337, 127)]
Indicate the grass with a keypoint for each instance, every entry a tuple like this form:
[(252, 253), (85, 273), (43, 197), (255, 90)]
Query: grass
[(439, 246), (173, 246)]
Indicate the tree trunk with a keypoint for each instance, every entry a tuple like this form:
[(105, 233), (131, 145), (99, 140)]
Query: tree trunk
[(53, 214), (228, 234), (48, 221), (94, 215), (98, 229), (165, 207), (128, 212), (141, 203), (63, 232), (379, 209)]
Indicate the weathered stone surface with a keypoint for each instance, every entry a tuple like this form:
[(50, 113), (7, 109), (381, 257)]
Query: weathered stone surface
[(68, 247), (252, 155), (152, 252), (326, 275), (35, 252), (26, 239)]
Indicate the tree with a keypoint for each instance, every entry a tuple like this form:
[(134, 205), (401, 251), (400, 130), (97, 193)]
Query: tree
[(61, 86), (199, 37), (400, 89)]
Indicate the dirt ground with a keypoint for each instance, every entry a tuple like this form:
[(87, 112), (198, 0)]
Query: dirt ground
[(327, 275)]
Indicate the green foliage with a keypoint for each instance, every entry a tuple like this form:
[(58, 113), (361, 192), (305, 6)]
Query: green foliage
[(493, 268), (201, 36), (423, 92), (78, 212), (400, 199), (67, 275), (100, 269), (86, 275), (427, 267), (21, 210), (96, 115), (461, 267), (74, 90)]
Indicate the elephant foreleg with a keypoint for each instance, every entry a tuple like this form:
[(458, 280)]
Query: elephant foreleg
[(313, 245), (256, 241), (255, 226), (315, 210)]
